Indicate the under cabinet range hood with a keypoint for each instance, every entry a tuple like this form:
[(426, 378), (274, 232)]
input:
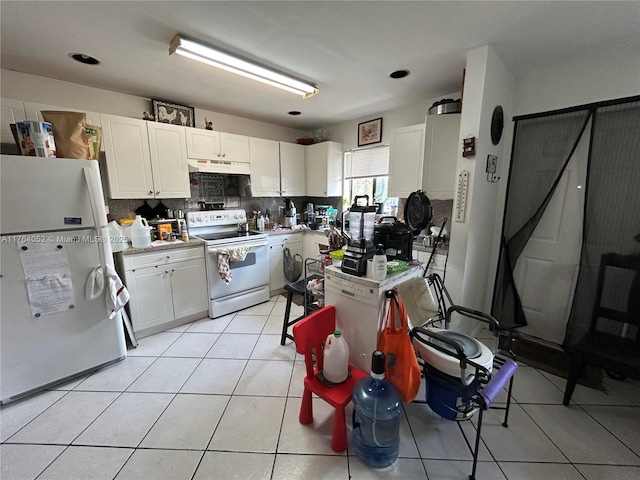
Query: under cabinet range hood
[(215, 166)]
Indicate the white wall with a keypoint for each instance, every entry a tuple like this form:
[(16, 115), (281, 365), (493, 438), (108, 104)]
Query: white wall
[(347, 132), (488, 83), (33, 88)]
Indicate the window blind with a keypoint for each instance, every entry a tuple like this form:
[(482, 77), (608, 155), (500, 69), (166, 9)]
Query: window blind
[(368, 162)]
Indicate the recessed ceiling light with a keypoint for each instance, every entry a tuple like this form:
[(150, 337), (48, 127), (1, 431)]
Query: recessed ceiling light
[(399, 74), (294, 112), (84, 58)]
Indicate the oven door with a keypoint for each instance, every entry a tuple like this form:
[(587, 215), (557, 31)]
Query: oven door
[(248, 274)]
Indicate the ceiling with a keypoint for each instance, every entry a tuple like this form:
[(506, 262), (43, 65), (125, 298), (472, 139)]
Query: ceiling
[(348, 49)]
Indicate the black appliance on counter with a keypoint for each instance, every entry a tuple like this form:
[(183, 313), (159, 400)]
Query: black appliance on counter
[(358, 228), (396, 237)]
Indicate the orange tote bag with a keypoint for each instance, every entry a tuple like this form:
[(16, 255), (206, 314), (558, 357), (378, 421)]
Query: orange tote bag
[(402, 371)]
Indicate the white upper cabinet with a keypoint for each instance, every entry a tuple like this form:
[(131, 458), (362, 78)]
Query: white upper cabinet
[(292, 170), (324, 175), (265, 167), (214, 145), (406, 159), (277, 168), (440, 155), (167, 147), (11, 111), (133, 171)]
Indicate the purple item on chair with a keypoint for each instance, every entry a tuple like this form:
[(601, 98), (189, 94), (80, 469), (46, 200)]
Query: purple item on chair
[(498, 382)]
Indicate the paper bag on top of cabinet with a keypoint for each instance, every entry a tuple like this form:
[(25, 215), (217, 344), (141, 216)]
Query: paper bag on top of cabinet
[(68, 133), (74, 137)]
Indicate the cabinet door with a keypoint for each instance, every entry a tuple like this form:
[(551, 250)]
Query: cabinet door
[(440, 155), (406, 158), (292, 170), (276, 271), (150, 290), (167, 147), (202, 144), (324, 169), (265, 167), (189, 287), (234, 148), (126, 146), (11, 111)]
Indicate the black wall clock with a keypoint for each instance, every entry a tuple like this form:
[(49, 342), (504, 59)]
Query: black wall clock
[(497, 124)]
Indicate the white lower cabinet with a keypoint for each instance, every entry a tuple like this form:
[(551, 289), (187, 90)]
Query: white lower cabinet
[(438, 262), (277, 244), (167, 288), (312, 241)]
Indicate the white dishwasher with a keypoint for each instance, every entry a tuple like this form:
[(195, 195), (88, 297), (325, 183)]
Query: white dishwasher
[(358, 302)]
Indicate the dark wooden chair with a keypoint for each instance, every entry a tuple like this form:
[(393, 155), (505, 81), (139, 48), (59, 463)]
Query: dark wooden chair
[(613, 340)]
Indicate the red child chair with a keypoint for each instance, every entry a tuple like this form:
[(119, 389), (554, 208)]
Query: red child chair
[(309, 335)]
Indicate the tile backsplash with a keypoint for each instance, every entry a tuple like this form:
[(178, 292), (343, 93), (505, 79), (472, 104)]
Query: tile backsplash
[(231, 190)]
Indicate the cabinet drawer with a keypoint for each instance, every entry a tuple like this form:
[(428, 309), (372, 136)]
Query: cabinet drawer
[(285, 239), (161, 258)]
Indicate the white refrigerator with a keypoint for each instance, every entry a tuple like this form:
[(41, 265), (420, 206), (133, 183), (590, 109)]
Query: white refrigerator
[(53, 239)]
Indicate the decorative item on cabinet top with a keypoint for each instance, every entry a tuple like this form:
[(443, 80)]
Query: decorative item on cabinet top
[(166, 112)]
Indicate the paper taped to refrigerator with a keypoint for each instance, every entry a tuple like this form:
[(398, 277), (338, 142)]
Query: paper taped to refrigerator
[(48, 277)]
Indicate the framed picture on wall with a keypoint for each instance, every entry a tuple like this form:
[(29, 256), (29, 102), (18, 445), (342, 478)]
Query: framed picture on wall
[(165, 112), (370, 132)]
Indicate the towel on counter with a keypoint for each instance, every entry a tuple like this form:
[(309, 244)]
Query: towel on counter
[(226, 255), (118, 295)]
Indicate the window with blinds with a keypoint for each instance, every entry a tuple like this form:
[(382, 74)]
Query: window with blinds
[(367, 173)]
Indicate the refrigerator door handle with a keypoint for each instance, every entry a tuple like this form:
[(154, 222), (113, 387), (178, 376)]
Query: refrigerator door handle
[(91, 188)]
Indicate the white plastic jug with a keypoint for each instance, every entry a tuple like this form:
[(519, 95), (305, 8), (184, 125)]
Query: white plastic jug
[(140, 233), (117, 237), (336, 358)]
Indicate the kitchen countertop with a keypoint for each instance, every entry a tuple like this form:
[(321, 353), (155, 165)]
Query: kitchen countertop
[(411, 272), (440, 250), (192, 243)]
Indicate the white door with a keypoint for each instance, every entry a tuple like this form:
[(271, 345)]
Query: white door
[(234, 148), (406, 157), (151, 301), (189, 287), (547, 270), (202, 144), (126, 146), (292, 170), (167, 148), (265, 167)]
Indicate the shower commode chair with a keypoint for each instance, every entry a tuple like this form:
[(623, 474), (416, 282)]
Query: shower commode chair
[(462, 375)]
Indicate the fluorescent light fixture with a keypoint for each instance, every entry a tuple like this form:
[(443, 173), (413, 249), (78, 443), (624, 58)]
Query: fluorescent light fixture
[(216, 58)]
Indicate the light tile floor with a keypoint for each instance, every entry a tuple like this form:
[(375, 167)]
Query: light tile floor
[(219, 399)]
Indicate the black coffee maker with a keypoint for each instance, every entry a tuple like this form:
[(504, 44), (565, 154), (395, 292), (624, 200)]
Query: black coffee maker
[(396, 237), (357, 227)]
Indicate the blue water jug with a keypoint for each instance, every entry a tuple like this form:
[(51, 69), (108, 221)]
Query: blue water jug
[(375, 436)]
